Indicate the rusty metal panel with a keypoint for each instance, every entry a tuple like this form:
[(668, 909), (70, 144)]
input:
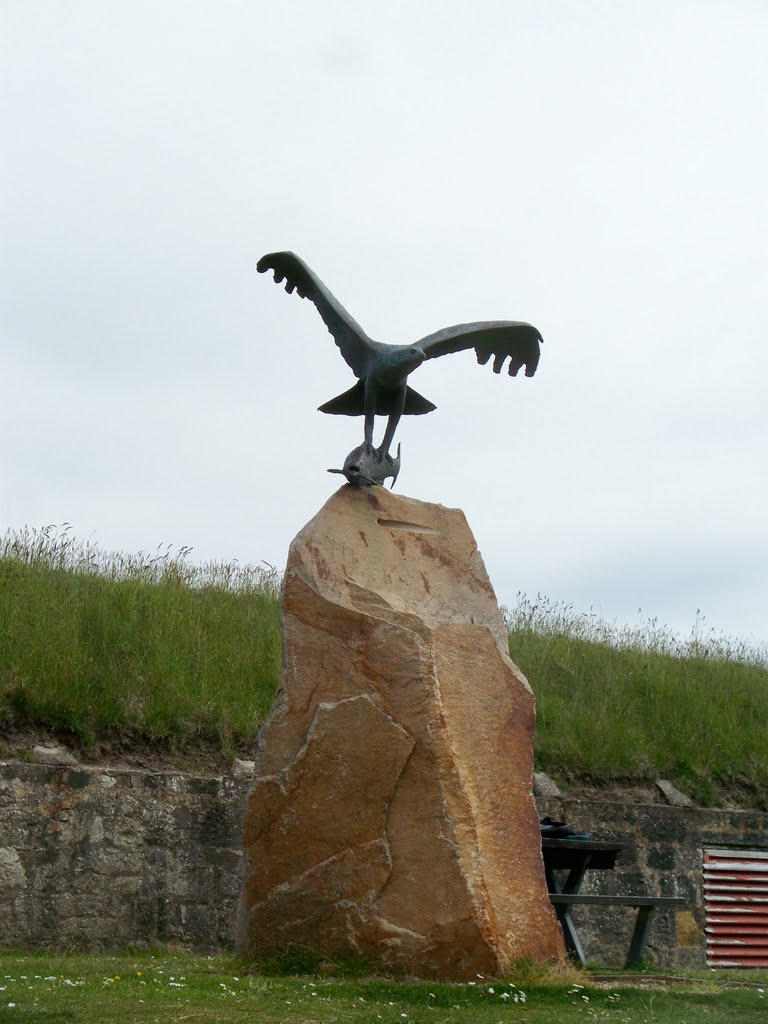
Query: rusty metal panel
[(736, 907)]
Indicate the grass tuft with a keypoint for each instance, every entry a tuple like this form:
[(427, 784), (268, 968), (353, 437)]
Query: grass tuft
[(298, 960)]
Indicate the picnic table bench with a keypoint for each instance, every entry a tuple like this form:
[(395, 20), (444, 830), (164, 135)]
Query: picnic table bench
[(577, 856)]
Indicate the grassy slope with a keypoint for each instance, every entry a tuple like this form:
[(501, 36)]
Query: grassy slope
[(156, 647), (641, 703), (99, 644), (147, 987)]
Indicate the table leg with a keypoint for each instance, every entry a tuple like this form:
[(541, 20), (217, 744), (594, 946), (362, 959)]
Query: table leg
[(570, 935), (639, 935), (575, 878), (551, 878), (572, 942)]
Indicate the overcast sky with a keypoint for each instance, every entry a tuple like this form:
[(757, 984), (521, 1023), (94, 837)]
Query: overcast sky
[(596, 168)]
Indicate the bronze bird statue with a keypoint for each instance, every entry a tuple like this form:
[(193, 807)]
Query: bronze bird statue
[(382, 370)]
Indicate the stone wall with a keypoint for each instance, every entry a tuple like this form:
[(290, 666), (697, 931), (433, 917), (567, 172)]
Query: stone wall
[(99, 857)]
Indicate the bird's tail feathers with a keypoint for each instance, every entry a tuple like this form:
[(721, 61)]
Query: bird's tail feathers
[(416, 404), (348, 404), (352, 403)]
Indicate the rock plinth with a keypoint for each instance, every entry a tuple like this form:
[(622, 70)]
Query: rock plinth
[(391, 811)]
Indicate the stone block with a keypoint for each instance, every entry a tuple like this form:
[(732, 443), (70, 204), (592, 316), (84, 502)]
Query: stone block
[(673, 795), (391, 812), (53, 754), (545, 788)]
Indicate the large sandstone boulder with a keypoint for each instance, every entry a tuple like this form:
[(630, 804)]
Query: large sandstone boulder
[(391, 811)]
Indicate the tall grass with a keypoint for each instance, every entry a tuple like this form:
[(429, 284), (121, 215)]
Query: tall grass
[(642, 702), (97, 642), (102, 644)]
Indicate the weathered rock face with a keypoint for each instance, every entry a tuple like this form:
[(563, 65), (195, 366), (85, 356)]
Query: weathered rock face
[(391, 810)]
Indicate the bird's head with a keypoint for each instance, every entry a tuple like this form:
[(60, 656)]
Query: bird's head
[(409, 357)]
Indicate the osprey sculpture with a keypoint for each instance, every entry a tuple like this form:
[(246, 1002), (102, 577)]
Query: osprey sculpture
[(382, 370)]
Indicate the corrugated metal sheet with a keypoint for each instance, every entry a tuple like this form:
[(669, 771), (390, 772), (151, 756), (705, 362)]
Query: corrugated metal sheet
[(736, 907)]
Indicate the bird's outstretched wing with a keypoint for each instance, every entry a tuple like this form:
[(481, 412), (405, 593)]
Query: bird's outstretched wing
[(498, 338), (354, 343)]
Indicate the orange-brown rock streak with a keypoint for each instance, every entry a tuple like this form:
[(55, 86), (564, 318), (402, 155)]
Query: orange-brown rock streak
[(391, 811)]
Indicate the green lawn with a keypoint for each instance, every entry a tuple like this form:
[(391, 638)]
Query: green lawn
[(160, 988)]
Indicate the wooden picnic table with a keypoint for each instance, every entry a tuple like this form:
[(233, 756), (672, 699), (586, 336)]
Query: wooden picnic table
[(576, 857)]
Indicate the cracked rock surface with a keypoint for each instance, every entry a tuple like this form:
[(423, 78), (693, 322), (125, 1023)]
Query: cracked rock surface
[(391, 812)]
